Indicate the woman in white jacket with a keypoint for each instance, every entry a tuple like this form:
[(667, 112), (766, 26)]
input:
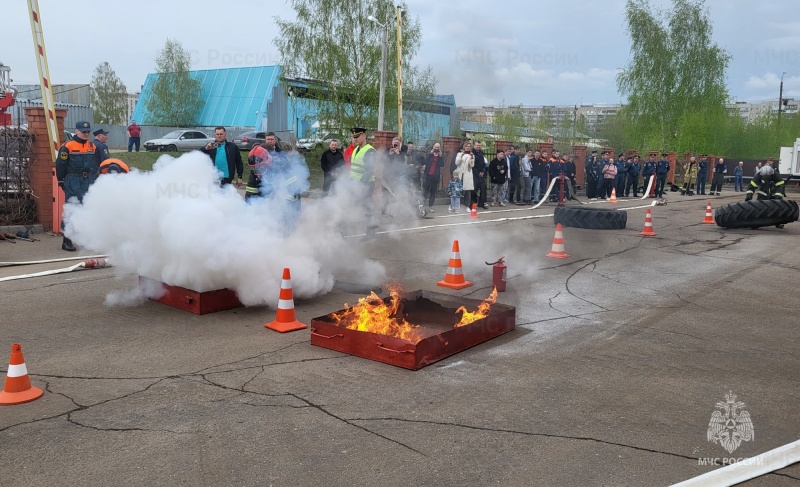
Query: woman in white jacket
[(465, 161)]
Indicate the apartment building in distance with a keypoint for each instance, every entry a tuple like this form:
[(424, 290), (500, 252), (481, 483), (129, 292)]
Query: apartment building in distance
[(595, 115)]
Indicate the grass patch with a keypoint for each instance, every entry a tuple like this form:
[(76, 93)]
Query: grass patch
[(144, 161)]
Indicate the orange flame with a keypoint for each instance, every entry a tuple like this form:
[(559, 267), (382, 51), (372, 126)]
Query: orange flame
[(372, 314), (482, 311)]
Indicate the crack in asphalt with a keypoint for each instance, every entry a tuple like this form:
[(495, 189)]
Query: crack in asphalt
[(528, 433), (349, 422)]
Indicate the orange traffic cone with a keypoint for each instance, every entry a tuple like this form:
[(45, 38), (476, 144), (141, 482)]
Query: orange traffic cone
[(474, 212), (18, 388), (613, 198), (285, 319), (454, 279), (648, 225), (558, 250), (709, 216)]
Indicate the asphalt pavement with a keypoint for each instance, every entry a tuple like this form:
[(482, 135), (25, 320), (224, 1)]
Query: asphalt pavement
[(619, 357)]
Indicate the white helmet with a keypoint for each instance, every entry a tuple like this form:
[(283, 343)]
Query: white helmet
[(766, 171)]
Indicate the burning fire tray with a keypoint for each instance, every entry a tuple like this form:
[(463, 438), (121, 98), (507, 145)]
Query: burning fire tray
[(196, 302), (435, 313)]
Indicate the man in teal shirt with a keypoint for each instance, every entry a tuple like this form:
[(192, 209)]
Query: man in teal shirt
[(226, 157)]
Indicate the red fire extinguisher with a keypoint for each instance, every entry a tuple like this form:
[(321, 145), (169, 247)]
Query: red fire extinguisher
[(499, 274)]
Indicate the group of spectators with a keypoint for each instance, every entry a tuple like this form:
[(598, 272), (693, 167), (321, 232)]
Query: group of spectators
[(514, 179)]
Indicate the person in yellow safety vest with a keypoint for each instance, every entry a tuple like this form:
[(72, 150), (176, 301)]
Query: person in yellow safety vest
[(362, 169), (362, 164)]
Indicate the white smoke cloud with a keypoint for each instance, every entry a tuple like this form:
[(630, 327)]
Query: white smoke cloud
[(176, 225)]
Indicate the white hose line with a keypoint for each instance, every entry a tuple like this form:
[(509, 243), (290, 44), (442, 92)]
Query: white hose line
[(649, 187), (546, 195), (748, 468), (64, 259), (87, 264)]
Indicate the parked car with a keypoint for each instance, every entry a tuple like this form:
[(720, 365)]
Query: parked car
[(317, 141), (179, 140), (248, 140)]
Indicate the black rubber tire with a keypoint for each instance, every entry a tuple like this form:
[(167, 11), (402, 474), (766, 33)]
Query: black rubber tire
[(757, 213), (172, 148), (590, 218)]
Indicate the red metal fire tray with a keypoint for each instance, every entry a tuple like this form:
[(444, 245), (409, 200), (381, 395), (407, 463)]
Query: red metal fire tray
[(196, 302), (435, 313)]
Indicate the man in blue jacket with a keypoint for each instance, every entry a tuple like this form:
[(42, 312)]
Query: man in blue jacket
[(648, 171), (619, 179), (662, 168), (702, 174), (633, 177)]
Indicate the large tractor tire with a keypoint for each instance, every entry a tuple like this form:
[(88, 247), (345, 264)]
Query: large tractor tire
[(756, 213), (590, 218)]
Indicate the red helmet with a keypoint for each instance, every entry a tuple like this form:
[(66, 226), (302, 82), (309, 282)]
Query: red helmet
[(113, 166), (259, 160)]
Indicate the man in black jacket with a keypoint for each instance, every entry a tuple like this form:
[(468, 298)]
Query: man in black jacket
[(479, 176), (332, 162), (226, 157), (431, 173), (498, 171)]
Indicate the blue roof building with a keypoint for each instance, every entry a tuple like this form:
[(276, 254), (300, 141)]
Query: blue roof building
[(258, 97)]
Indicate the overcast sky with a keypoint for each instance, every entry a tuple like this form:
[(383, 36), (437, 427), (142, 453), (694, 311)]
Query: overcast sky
[(485, 53)]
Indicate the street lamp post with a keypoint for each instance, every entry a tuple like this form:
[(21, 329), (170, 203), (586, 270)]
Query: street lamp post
[(399, 15), (383, 69), (780, 105), (575, 121)]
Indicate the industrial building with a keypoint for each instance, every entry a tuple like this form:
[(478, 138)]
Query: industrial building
[(259, 98)]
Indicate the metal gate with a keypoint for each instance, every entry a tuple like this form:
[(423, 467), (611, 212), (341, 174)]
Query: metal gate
[(17, 206)]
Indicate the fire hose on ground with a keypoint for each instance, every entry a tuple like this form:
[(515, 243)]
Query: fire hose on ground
[(93, 263)]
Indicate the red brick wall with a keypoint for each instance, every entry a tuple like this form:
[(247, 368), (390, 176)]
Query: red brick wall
[(579, 151), (43, 163), (383, 139)]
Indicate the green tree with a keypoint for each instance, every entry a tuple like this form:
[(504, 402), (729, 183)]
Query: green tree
[(109, 96), (543, 121), (339, 48), (175, 99), (509, 122), (582, 125), (675, 78)]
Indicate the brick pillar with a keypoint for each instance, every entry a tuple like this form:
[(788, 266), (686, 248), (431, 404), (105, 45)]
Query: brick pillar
[(383, 139), (545, 146), (450, 146), (672, 157), (579, 151), (502, 145), (42, 163), (710, 169)]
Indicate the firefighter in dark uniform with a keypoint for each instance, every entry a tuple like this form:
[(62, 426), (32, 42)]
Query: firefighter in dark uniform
[(633, 177), (591, 178), (259, 160), (648, 171), (702, 174), (77, 167), (619, 179), (766, 185), (101, 149), (662, 168)]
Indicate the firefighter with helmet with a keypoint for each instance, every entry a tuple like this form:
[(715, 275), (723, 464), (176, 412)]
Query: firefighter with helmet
[(766, 185)]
